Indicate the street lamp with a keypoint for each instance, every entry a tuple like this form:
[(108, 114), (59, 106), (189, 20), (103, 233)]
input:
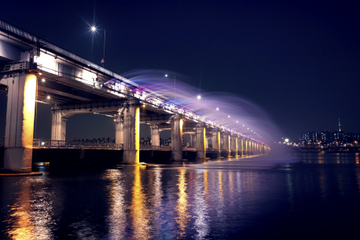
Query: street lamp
[(93, 29)]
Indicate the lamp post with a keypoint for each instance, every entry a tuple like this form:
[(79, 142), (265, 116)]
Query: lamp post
[(166, 75), (93, 29)]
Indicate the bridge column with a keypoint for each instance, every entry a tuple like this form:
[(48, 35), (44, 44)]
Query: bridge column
[(193, 140), (119, 129), (155, 135), (233, 146), (20, 115), (251, 147), (246, 147), (200, 141), (58, 125), (176, 138), (242, 147), (227, 146), (216, 141), (131, 132)]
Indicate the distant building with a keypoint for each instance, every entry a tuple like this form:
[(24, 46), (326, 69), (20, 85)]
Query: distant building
[(325, 139)]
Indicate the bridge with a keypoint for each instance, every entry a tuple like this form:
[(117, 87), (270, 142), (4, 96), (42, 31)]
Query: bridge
[(33, 69)]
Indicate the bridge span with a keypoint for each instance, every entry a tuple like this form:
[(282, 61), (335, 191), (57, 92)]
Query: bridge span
[(32, 70)]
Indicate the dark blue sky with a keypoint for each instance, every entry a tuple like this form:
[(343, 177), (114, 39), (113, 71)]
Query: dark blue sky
[(298, 60)]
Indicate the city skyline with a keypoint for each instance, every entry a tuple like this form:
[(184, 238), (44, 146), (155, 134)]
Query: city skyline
[(297, 61)]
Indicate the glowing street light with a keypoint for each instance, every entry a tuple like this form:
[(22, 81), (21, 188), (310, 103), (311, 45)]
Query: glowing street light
[(94, 29), (217, 109), (199, 97)]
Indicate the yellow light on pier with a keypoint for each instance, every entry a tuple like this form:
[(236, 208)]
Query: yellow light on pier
[(218, 142), (137, 135), (204, 137), (29, 110)]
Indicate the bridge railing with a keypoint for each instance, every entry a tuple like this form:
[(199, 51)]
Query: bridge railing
[(66, 144), (163, 148), (156, 148)]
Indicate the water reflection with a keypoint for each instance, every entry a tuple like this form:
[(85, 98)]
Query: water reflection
[(117, 206), (156, 201), (139, 210), (224, 201), (326, 158), (31, 213), (182, 204), (201, 208), (22, 224)]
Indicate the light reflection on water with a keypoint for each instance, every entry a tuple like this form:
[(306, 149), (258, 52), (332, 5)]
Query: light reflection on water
[(31, 212), (217, 200), (117, 211)]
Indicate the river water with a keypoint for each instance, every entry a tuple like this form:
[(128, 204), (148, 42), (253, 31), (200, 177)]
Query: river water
[(306, 196)]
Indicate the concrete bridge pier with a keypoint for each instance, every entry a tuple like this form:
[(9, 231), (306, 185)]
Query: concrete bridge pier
[(131, 132), (216, 142), (241, 146), (20, 115), (249, 148), (227, 145), (246, 147), (155, 135), (58, 125), (252, 148), (234, 146), (193, 140), (200, 141), (176, 137), (119, 129)]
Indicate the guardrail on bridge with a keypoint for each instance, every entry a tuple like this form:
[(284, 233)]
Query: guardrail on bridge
[(66, 144), (156, 148)]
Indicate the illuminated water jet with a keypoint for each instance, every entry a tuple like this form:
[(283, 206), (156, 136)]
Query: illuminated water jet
[(224, 109)]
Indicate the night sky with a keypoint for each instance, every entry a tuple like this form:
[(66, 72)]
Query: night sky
[(297, 60)]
